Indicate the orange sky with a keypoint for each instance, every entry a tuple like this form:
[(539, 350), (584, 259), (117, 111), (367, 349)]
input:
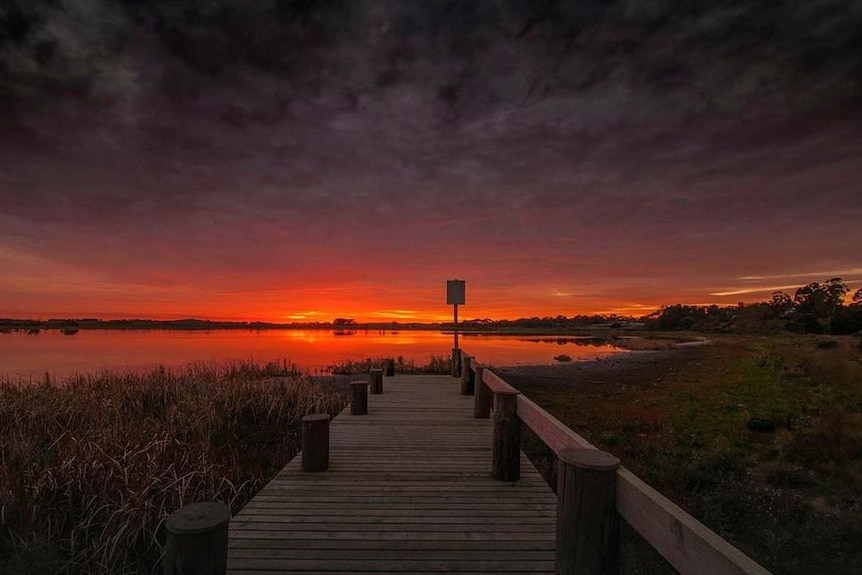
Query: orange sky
[(391, 298)]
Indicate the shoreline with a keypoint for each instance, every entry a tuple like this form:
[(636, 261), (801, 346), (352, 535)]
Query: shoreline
[(634, 368), (611, 362)]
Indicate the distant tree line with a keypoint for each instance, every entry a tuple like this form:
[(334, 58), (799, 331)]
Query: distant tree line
[(814, 308), (559, 322)]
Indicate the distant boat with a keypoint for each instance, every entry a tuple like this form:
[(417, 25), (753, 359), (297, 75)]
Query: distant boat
[(70, 331)]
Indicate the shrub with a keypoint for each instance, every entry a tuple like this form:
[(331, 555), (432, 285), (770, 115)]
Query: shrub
[(760, 425)]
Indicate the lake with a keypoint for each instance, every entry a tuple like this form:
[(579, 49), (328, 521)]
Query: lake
[(31, 356)]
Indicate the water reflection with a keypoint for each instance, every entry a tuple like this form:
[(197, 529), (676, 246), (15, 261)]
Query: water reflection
[(545, 339), (30, 356), (584, 341)]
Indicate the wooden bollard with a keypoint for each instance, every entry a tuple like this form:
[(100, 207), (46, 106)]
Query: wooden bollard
[(506, 456), (456, 362), (467, 378), (389, 367), (315, 442), (482, 397), (588, 527), (196, 539), (359, 399), (375, 377)]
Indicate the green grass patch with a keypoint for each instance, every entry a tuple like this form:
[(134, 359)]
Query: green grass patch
[(758, 437)]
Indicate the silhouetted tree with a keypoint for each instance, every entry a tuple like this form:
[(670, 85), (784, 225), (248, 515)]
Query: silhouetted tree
[(780, 304), (818, 303), (815, 308), (848, 319)]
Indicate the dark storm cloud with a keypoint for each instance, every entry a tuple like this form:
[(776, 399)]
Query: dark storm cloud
[(480, 69), (585, 126), (571, 45)]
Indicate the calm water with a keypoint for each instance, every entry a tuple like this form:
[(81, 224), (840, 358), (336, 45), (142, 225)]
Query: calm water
[(30, 356)]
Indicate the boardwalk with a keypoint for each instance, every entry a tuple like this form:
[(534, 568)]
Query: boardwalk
[(408, 491)]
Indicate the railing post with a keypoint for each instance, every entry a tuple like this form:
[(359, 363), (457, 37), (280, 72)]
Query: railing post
[(482, 397), (196, 539), (468, 382), (375, 377), (315, 442), (389, 365), (456, 362), (468, 375), (359, 397), (506, 460), (588, 531)]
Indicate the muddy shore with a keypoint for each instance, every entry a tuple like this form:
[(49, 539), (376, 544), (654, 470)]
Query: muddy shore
[(623, 371)]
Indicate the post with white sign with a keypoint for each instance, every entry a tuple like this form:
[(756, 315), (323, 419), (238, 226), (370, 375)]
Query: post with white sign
[(455, 293)]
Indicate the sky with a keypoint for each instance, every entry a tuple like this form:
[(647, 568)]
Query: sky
[(294, 160)]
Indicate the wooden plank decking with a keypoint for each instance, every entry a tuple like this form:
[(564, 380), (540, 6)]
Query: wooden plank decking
[(408, 491)]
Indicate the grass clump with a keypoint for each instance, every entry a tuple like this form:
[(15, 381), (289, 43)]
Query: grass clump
[(91, 466), (437, 364), (758, 437)]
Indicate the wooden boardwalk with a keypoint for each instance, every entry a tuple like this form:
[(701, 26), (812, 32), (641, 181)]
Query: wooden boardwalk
[(408, 491)]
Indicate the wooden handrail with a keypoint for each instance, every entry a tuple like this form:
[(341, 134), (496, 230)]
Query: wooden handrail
[(553, 433), (496, 383), (688, 545)]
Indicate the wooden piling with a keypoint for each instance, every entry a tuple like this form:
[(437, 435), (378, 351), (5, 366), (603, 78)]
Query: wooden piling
[(456, 362), (389, 367), (467, 376), (315, 442), (196, 539), (588, 531), (375, 377), (482, 397), (359, 397), (506, 455)]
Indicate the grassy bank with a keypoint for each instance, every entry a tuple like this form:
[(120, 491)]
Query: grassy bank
[(91, 466), (758, 437)]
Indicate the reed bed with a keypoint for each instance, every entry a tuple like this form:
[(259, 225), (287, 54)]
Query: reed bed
[(91, 466), (436, 364)]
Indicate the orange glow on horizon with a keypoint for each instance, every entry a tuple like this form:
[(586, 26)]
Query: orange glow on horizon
[(364, 302)]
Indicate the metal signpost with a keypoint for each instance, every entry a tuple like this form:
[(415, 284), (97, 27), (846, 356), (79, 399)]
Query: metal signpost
[(455, 293)]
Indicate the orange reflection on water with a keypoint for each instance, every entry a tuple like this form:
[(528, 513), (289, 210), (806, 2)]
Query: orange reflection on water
[(30, 356)]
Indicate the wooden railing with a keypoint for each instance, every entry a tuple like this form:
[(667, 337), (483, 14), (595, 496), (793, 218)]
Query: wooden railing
[(689, 546)]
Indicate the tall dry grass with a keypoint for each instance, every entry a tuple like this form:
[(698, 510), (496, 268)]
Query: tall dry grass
[(436, 364), (91, 466)]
